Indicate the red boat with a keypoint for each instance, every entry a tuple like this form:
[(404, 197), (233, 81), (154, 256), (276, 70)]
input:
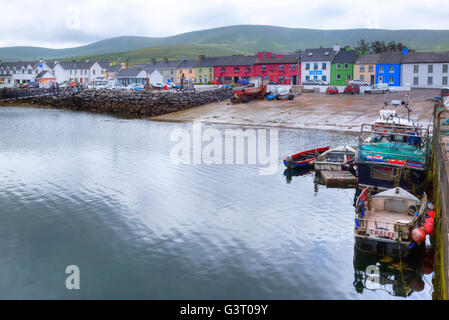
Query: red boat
[(246, 94), (304, 158)]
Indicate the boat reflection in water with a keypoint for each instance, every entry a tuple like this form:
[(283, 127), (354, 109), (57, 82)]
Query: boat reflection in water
[(399, 278), (296, 172)]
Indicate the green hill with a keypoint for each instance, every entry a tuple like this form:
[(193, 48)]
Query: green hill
[(145, 55), (242, 38)]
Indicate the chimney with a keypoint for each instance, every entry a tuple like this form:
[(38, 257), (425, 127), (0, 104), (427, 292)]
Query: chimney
[(269, 54), (201, 57), (165, 59), (259, 55), (336, 48)]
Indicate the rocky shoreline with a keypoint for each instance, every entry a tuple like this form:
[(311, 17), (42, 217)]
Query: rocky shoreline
[(121, 103)]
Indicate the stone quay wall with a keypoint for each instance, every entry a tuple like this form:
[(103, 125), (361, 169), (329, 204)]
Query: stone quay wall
[(121, 103)]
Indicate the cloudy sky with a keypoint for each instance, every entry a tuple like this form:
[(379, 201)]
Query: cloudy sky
[(66, 23)]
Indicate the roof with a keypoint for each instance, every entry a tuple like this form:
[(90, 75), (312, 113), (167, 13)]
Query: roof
[(322, 54), (18, 64), (207, 62), (390, 58), (128, 73), (426, 57), (344, 56), (170, 64), (77, 64), (188, 64), (397, 193), (236, 61), (286, 59), (106, 65), (372, 58)]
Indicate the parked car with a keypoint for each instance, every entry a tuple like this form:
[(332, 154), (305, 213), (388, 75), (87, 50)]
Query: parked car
[(310, 83), (321, 83), (444, 93), (378, 88), (332, 90), (157, 85), (360, 83), (134, 87), (352, 89)]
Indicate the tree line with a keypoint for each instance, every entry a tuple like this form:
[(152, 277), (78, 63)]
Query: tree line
[(381, 47)]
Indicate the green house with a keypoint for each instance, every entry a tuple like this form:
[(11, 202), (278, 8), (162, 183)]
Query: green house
[(342, 68)]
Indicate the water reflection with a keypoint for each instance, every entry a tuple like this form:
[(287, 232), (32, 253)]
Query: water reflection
[(397, 277)]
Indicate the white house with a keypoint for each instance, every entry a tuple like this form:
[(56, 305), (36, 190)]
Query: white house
[(12, 74), (138, 76), (82, 71), (425, 69), (316, 63)]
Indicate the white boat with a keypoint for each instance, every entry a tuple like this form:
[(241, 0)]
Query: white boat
[(384, 222), (336, 159)]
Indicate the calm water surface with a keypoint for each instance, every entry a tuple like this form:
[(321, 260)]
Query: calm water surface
[(101, 193)]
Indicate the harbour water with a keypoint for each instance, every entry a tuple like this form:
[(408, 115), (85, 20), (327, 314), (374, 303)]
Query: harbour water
[(101, 193)]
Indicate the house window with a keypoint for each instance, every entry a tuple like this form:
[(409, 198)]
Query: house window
[(444, 81), (307, 77), (391, 69), (237, 70), (415, 81), (346, 66), (362, 68), (281, 67), (307, 66), (324, 66), (190, 70), (415, 68), (430, 68), (371, 68), (338, 76), (315, 66), (430, 81), (266, 78), (93, 72), (281, 79), (362, 78), (248, 69), (391, 80), (223, 70), (444, 68), (323, 78), (264, 68), (381, 69), (338, 66), (292, 67), (210, 70)]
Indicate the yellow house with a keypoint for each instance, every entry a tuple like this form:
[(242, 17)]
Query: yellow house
[(365, 68), (204, 70), (186, 68)]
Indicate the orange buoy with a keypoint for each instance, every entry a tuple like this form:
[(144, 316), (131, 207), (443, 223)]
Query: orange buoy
[(431, 213), (418, 235)]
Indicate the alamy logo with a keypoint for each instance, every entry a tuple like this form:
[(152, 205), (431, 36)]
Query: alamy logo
[(190, 150), (73, 280), (373, 277)]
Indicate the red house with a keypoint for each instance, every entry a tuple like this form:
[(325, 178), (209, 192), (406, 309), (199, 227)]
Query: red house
[(281, 69), (233, 69)]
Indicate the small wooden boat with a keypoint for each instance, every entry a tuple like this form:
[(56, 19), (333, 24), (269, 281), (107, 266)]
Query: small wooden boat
[(246, 94), (336, 159), (304, 158)]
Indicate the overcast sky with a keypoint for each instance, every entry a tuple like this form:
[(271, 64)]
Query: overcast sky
[(67, 23)]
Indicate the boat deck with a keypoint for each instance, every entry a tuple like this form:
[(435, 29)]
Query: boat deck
[(385, 219), (338, 179)]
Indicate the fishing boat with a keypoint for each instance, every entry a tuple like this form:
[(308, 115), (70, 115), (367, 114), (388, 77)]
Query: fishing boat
[(336, 159), (247, 93), (393, 152), (390, 223), (304, 158)]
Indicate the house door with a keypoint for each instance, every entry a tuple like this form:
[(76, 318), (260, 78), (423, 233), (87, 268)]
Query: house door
[(380, 79), (294, 80), (372, 80), (236, 79)]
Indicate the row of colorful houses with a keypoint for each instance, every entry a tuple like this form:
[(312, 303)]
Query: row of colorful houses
[(335, 65)]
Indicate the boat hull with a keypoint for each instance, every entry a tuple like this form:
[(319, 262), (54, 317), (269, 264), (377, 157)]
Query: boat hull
[(383, 247), (304, 159)]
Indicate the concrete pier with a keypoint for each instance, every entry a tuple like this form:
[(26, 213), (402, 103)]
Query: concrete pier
[(441, 199)]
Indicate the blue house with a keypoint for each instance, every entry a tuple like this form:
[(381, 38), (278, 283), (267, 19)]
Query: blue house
[(388, 69)]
